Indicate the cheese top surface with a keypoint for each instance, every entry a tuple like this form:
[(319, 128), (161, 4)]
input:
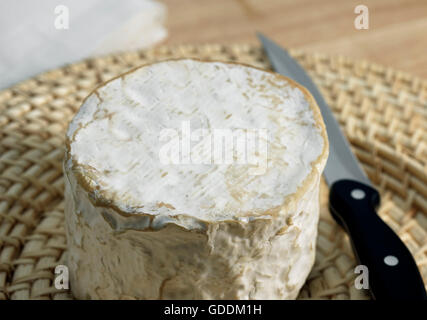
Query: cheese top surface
[(210, 140)]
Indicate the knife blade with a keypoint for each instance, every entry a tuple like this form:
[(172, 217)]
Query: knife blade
[(392, 271)]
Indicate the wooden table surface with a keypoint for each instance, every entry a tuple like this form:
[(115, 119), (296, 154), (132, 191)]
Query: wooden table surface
[(397, 34)]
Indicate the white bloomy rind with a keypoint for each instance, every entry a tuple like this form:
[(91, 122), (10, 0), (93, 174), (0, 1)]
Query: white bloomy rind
[(140, 228)]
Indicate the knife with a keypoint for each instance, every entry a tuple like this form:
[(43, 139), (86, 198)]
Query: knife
[(392, 271)]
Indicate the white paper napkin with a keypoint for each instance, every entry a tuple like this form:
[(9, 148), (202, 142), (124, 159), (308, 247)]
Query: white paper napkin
[(31, 42)]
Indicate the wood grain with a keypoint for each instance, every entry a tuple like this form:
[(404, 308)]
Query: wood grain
[(397, 36)]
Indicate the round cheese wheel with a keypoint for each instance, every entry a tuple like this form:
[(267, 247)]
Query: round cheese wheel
[(189, 179)]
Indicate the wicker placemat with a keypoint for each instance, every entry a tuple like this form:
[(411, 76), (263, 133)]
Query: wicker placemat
[(383, 113)]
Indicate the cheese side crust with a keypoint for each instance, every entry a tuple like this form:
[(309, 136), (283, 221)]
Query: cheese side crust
[(138, 227)]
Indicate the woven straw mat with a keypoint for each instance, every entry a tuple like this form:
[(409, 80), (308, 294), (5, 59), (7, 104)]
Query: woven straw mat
[(382, 111)]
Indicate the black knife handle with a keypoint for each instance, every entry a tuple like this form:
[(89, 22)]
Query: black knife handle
[(392, 271)]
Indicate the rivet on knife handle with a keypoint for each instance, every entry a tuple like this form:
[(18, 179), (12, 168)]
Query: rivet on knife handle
[(392, 271)]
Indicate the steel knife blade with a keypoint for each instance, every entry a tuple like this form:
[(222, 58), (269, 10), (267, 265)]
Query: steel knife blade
[(353, 200)]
